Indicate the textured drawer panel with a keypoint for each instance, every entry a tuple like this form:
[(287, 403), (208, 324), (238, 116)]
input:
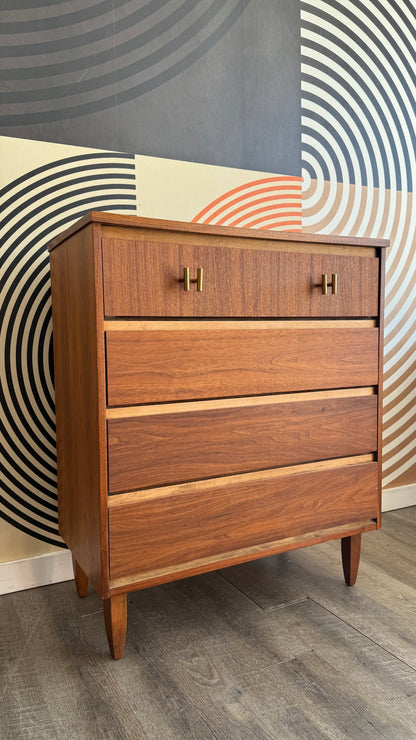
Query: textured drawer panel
[(142, 279), (166, 530), (155, 449), (159, 365)]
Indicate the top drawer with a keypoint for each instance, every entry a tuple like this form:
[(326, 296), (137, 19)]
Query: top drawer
[(144, 279)]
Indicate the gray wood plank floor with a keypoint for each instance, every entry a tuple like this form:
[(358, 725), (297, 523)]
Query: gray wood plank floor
[(279, 648)]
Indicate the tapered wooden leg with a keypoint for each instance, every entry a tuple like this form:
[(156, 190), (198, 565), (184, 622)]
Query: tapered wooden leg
[(350, 551), (81, 580), (115, 616)]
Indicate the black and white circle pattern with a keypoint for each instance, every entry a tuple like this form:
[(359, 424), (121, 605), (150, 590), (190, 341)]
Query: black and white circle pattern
[(359, 165), (358, 103), (36, 207)]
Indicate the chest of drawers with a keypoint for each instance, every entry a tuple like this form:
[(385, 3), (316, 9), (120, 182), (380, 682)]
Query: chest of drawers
[(217, 398)]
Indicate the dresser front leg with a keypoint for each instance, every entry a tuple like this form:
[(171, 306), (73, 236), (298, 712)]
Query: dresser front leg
[(81, 580), (350, 551), (115, 616)]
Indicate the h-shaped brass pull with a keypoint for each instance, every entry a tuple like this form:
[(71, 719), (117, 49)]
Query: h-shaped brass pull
[(326, 285), (186, 280)]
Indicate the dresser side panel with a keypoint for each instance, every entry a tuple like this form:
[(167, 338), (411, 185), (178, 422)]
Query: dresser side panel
[(80, 401)]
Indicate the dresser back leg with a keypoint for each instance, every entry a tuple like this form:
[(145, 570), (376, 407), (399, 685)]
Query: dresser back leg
[(350, 551), (81, 580), (115, 616)]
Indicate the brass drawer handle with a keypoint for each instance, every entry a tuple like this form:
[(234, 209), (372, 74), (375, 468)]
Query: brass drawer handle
[(199, 279), (326, 285), (186, 280)]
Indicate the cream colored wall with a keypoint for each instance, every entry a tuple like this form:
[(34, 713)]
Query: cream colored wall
[(16, 545), (188, 191)]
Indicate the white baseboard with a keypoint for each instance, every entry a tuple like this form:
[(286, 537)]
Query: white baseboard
[(19, 575), (398, 498)]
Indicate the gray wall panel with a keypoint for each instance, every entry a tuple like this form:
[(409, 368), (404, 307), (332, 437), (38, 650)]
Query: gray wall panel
[(215, 81)]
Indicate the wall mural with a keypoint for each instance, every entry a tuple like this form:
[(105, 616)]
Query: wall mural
[(36, 206), (268, 203), (359, 162)]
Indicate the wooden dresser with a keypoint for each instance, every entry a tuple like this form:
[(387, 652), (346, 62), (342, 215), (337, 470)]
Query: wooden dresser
[(217, 398)]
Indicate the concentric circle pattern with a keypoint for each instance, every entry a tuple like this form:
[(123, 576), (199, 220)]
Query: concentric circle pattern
[(35, 208), (99, 54), (268, 203), (359, 165)]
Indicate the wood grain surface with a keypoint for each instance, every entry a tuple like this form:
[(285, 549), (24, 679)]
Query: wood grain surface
[(143, 279), (195, 487), (152, 450), (130, 412), (167, 531), (149, 578), (232, 401), (157, 366), (350, 552), (115, 619), (135, 324), (114, 221), (81, 580)]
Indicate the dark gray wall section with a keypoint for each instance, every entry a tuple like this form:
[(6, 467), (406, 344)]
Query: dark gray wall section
[(214, 81)]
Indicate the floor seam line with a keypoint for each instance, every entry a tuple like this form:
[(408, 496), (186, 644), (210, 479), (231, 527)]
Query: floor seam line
[(356, 629), (240, 590)]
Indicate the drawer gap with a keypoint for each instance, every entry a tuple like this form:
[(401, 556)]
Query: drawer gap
[(120, 497)]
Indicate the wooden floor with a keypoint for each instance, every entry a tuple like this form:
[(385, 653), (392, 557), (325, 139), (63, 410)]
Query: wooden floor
[(279, 648)]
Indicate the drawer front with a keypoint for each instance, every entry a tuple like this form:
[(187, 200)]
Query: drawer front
[(159, 448), (166, 529), (183, 364), (143, 279)]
